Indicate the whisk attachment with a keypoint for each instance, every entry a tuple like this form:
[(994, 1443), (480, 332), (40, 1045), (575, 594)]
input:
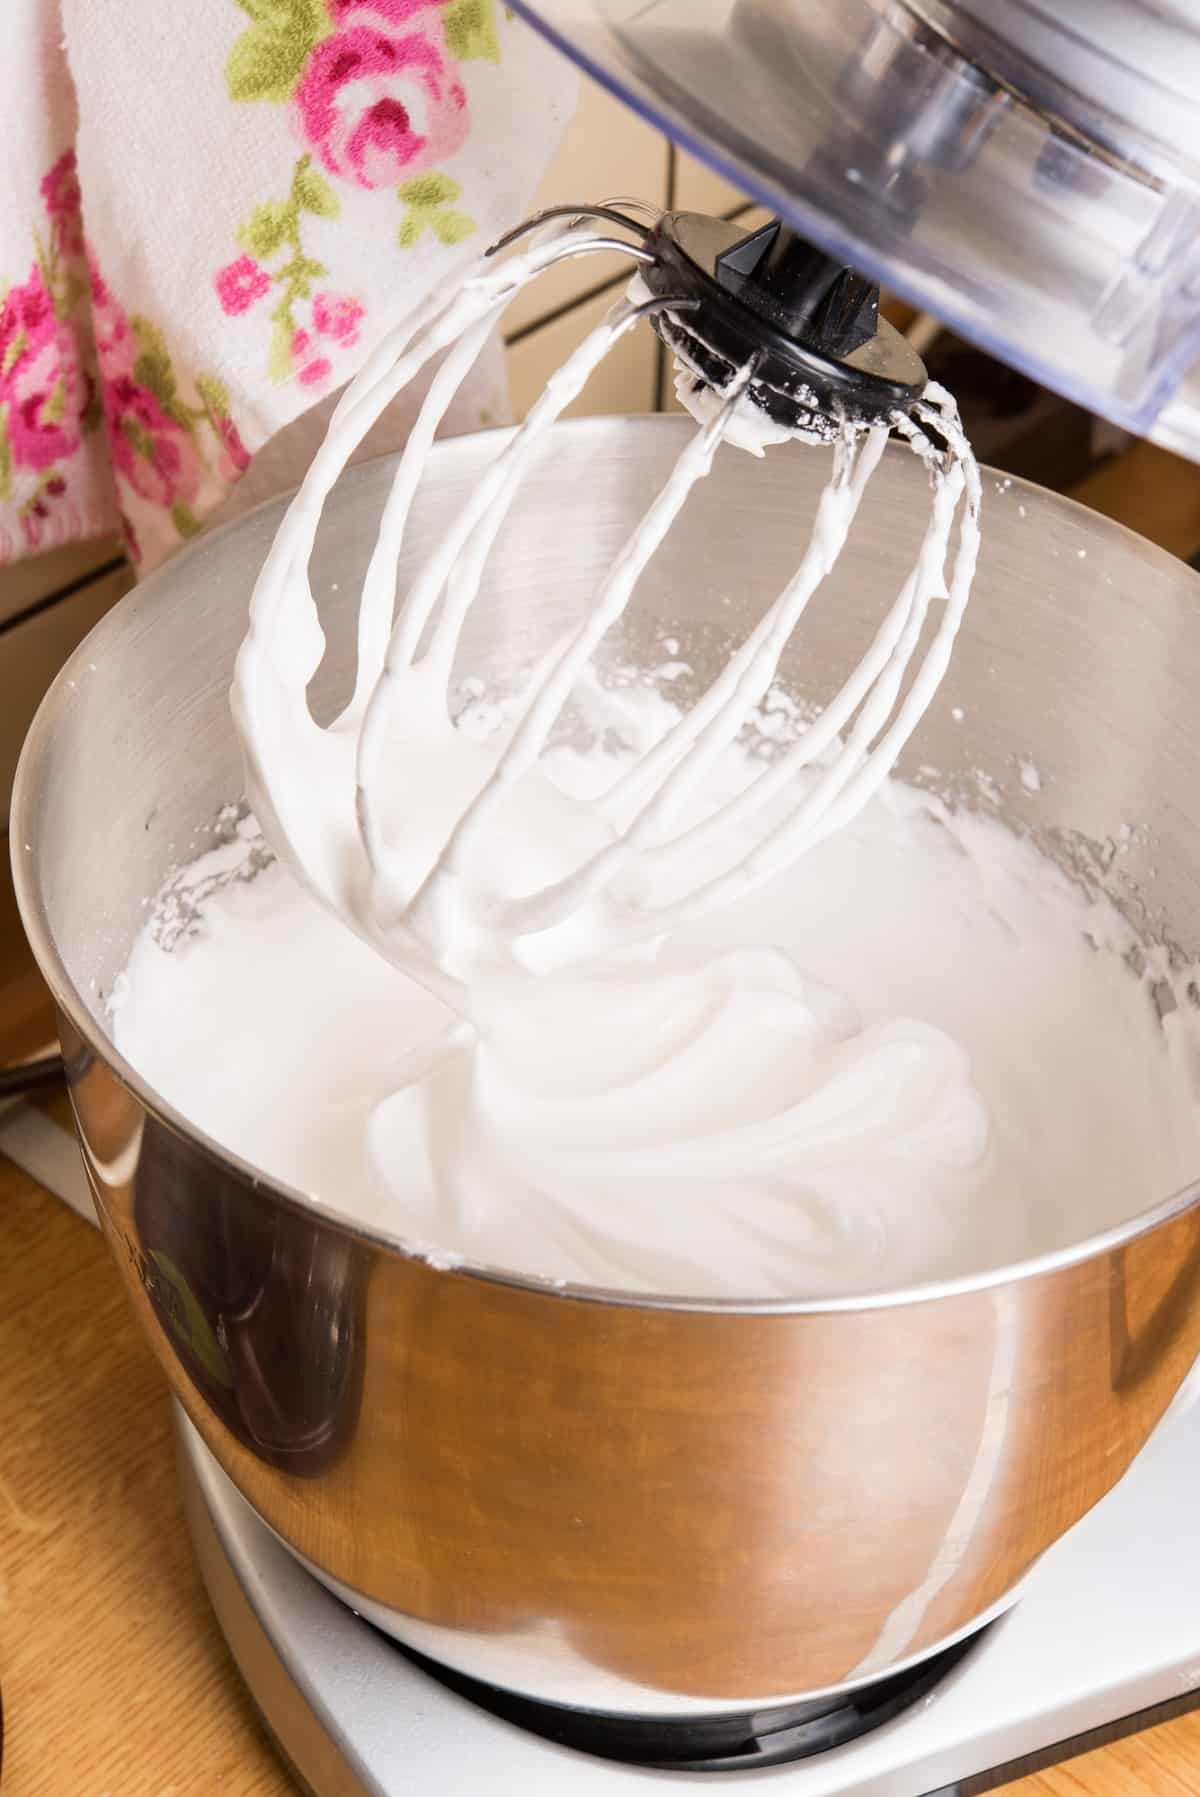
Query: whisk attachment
[(549, 215), (810, 325), (430, 891)]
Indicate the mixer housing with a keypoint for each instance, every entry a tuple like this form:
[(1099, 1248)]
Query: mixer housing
[(1026, 172)]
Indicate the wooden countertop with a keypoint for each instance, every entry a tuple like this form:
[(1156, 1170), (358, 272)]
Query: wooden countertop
[(115, 1679)]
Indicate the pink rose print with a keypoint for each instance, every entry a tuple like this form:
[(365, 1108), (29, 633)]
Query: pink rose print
[(337, 316), (42, 385), (174, 449), (239, 284), (116, 346), (378, 100), (151, 451), (387, 12), (235, 457), (374, 93), (51, 489), (310, 365), (49, 516), (61, 196), (306, 321)]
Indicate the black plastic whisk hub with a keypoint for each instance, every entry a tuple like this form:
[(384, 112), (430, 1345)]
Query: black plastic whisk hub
[(807, 326)]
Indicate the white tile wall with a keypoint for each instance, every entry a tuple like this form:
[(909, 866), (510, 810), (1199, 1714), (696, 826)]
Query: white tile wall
[(698, 189), (608, 154), (625, 381)]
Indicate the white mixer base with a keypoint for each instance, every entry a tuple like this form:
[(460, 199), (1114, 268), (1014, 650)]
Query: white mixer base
[(1106, 1640)]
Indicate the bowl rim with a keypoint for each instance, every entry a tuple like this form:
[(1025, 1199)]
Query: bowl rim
[(23, 834)]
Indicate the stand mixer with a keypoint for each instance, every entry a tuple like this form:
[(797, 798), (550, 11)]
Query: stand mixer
[(1025, 172), (1036, 193)]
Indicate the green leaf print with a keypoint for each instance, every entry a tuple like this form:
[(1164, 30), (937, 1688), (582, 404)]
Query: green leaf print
[(286, 17), (470, 27), (427, 192), (452, 227), (184, 519), (14, 352), (214, 397), (312, 192), (302, 271), (279, 351), (153, 345), (268, 227), (266, 61), (138, 438), (74, 287), (273, 234), (429, 199), (153, 370), (266, 65), (55, 408)]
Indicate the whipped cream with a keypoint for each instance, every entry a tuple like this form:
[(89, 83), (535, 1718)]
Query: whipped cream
[(920, 1051), (692, 1020)]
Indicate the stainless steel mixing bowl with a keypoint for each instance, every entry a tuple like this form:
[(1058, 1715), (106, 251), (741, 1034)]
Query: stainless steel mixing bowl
[(639, 1506)]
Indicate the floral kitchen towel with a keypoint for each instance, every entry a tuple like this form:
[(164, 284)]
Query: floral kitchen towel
[(211, 210)]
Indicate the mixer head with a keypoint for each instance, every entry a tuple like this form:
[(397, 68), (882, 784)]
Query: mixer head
[(800, 330), (1025, 172), (808, 326)]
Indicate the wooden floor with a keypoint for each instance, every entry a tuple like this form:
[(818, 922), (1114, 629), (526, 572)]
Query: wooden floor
[(115, 1679)]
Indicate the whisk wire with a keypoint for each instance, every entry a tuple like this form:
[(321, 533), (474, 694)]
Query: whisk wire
[(891, 650), (855, 775), (378, 602), (863, 761), (854, 460), (548, 214), (850, 747), (435, 325), (466, 576), (284, 644), (532, 732), (483, 513), (744, 683), (712, 722), (542, 910)]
